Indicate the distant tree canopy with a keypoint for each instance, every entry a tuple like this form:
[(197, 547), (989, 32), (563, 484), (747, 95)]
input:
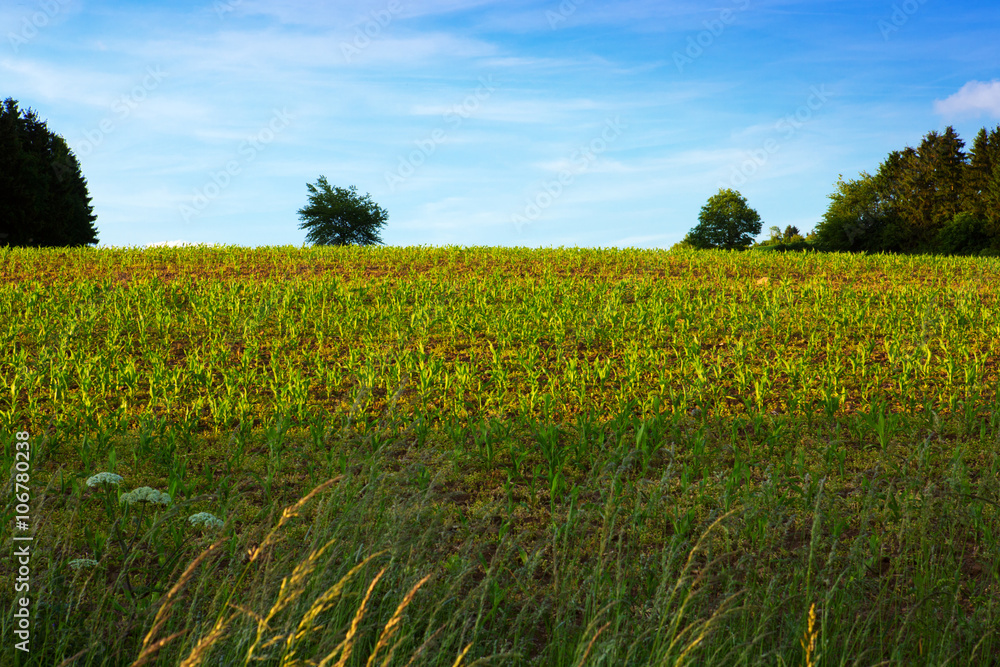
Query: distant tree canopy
[(935, 198), (790, 235), (336, 216), (726, 222), (860, 217), (43, 194)]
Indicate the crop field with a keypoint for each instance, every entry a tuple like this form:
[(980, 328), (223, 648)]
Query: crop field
[(457, 456)]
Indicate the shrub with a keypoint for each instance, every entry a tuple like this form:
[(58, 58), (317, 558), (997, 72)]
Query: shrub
[(963, 235), (790, 246)]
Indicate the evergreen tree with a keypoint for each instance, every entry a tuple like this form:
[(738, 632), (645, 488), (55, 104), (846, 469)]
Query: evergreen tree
[(981, 195), (926, 187), (935, 198), (43, 194)]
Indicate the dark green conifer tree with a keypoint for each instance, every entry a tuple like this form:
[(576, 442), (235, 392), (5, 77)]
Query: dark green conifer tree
[(43, 194), (981, 195), (926, 187)]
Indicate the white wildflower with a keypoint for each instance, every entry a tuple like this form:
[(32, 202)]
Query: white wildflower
[(104, 478), (205, 519), (145, 494), (82, 562)]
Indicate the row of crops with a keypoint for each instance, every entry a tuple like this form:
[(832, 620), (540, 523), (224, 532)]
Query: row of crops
[(215, 336), (502, 456)]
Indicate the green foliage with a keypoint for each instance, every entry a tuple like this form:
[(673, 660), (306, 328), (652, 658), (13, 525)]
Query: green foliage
[(963, 235), (798, 245), (725, 222), (784, 241), (860, 217), (981, 194), (685, 244), (992, 251), (913, 203), (792, 234), (926, 186), (338, 216), (43, 194)]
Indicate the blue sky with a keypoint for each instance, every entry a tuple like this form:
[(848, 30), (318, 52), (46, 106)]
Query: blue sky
[(474, 122)]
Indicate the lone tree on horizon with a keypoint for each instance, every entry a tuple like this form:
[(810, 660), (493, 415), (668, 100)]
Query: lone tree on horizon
[(338, 216), (725, 222), (43, 195)]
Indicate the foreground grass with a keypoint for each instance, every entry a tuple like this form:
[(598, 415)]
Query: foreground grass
[(537, 458)]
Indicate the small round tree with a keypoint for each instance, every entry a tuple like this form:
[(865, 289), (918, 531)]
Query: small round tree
[(725, 222), (338, 216)]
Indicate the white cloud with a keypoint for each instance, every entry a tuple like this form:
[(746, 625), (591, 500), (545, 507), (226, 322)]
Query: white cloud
[(973, 98), (61, 83)]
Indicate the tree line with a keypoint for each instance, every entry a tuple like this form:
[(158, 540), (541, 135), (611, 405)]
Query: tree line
[(933, 199), (936, 198)]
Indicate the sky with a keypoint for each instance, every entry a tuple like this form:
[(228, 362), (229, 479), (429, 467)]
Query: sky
[(489, 123)]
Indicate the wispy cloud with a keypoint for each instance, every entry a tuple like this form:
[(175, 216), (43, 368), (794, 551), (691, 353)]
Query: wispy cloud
[(71, 85), (311, 13), (379, 87), (974, 98)]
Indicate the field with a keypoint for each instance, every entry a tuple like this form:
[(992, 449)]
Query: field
[(501, 456)]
